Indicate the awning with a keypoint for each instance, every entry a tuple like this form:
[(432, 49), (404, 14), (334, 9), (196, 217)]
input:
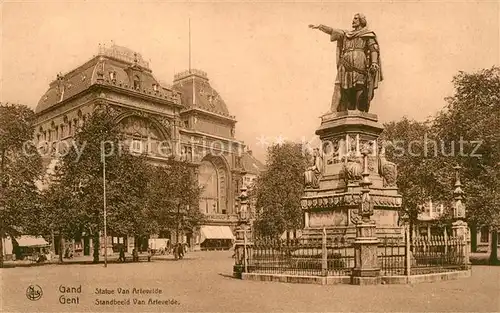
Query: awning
[(30, 241), (216, 232)]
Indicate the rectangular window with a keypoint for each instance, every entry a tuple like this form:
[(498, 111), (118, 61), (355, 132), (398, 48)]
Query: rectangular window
[(485, 234), (137, 146)]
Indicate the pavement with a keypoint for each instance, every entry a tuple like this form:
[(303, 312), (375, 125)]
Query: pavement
[(482, 258), (202, 282)]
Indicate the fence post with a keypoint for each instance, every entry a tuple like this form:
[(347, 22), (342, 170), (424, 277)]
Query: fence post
[(445, 241), (245, 266), (407, 251), (324, 262)]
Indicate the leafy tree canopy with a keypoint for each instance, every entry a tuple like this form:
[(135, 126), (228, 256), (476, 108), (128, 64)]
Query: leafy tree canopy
[(279, 189), (20, 167)]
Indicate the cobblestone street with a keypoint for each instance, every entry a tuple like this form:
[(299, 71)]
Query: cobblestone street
[(203, 282)]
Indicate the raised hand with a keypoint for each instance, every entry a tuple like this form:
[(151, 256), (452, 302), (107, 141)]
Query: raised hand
[(313, 26)]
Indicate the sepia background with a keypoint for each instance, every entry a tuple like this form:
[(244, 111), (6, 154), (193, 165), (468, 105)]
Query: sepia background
[(275, 74)]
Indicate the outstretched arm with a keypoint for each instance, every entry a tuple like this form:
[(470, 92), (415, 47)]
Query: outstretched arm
[(334, 33), (323, 28)]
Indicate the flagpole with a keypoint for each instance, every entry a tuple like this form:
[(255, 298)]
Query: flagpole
[(189, 45), (192, 77)]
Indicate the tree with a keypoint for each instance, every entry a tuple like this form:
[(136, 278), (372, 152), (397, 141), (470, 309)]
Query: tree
[(278, 190), (20, 166), (465, 132), (173, 199), (100, 140), (57, 211), (471, 120), (423, 173)]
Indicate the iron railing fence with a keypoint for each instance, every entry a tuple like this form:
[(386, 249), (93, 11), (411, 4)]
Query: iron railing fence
[(301, 257), (434, 254), (340, 256), (335, 256), (392, 256)]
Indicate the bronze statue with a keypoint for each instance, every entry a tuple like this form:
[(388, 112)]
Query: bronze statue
[(358, 65)]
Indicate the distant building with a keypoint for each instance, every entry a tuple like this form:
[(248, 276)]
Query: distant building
[(190, 115), (481, 238), (252, 168), (429, 223)]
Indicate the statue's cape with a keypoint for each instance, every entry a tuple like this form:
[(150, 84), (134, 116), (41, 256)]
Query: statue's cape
[(363, 32)]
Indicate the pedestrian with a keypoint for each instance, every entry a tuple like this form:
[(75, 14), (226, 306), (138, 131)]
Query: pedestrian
[(180, 250), (135, 255), (121, 257)]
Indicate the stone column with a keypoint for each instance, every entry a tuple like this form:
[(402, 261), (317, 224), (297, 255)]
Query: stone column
[(459, 227), (366, 270)]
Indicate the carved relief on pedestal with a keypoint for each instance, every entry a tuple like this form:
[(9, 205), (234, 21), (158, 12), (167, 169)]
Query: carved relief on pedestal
[(333, 150), (371, 147), (355, 217), (347, 153)]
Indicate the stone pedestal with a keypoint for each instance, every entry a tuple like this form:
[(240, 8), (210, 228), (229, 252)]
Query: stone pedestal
[(460, 229), (366, 269), (333, 204), (240, 255)]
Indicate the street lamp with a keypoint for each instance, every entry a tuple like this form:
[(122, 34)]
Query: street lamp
[(104, 205), (243, 211)]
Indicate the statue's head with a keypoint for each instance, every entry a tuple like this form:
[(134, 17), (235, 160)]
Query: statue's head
[(359, 21)]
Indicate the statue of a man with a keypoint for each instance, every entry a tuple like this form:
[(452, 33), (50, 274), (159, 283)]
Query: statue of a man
[(358, 65)]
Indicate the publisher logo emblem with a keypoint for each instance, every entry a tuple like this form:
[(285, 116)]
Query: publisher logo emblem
[(34, 292)]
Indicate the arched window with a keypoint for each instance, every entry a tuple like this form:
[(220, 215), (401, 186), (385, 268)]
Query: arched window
[(137, 82), (209, 181)]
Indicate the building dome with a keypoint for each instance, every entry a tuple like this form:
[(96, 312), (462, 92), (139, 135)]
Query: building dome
[(196, 82), (111, 65)]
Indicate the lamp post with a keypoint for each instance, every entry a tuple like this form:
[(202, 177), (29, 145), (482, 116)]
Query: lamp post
[(366, 269), (241, 245), (105, 213), (459, 227)]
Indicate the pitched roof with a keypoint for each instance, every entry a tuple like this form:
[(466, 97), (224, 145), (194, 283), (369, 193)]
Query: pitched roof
[(252, 165)]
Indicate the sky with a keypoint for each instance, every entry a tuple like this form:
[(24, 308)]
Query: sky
[(274, 73)]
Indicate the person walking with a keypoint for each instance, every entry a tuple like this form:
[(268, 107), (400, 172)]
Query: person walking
[(121, 257)]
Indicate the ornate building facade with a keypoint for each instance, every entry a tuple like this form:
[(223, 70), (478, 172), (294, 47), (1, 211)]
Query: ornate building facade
[(190, 116)]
